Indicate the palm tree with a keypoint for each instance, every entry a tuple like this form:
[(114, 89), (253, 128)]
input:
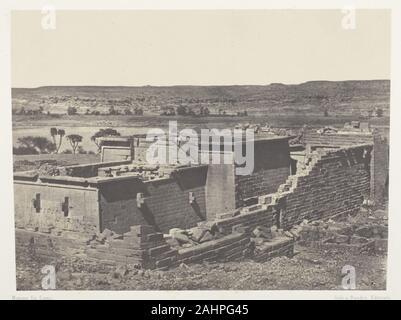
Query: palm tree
[(61, 134), (53, 133)]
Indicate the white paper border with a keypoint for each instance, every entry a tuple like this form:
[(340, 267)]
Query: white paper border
[(7, 252)]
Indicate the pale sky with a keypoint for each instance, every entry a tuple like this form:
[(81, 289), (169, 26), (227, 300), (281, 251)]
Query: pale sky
[(135, 48)]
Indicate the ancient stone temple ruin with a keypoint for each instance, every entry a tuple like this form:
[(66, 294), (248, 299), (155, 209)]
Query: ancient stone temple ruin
[(157, 216)]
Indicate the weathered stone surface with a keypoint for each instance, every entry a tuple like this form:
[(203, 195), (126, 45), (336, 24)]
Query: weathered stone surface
[(207, 236), (197, 233), (141, 230), (263, 232), (258, 240), (334, 183)]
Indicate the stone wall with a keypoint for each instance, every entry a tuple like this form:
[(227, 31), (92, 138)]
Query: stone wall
[(380, 170), (115, 203), (178, 201), (232, 247), (379, 160), (89, 170), (64, 207), (334, 183), (220, 189), (337, 139), (281, 246), (116, 153), (145, 248), (259, 183), (51, 244), (271, 169), (250, 217)]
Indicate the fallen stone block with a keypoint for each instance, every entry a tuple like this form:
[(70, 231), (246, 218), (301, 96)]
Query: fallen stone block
[(304, 222), (197, 233), (170, 253), (107, 233), (117, 236), (120, 272), (267, 199), (172, 241), (57, 232), (289, 234), (381, 245), (364, 231), (207, 236), (247, 253), (240, 228), (182, 238), (45, 229), (187, 245), (252, 208), (183, 266), (32, 229), (174, 231), (258, 241), (358, 240), (263, 232), (342, 239), (225, 215)]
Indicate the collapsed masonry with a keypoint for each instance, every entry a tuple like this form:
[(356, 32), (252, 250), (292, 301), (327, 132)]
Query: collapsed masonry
[(161, 216)]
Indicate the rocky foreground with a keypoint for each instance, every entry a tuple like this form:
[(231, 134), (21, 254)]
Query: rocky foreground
[(316, 265)]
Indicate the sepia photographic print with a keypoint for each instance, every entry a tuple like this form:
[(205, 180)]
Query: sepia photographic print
[(201, 149)]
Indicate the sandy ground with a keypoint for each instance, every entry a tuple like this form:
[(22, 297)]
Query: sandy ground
[(309, 269)]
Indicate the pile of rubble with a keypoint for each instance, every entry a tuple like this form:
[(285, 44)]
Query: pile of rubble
[(209, 231), (187, 238), (351, 234), (327, 130), (146, 172), (40, 167), (345, 235), (103, 237), (48, 169)]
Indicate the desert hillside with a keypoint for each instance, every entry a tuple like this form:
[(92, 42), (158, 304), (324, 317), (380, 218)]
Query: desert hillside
[(336, 98)]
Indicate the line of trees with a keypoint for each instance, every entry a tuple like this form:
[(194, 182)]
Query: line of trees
[(34, 145), (185, 111), (203, 112), (376, 112), (42, 145), (71, 111), (114, 112), (29, 112)]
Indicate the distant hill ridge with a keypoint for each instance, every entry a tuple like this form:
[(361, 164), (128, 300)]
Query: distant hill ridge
[(339, 97)]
